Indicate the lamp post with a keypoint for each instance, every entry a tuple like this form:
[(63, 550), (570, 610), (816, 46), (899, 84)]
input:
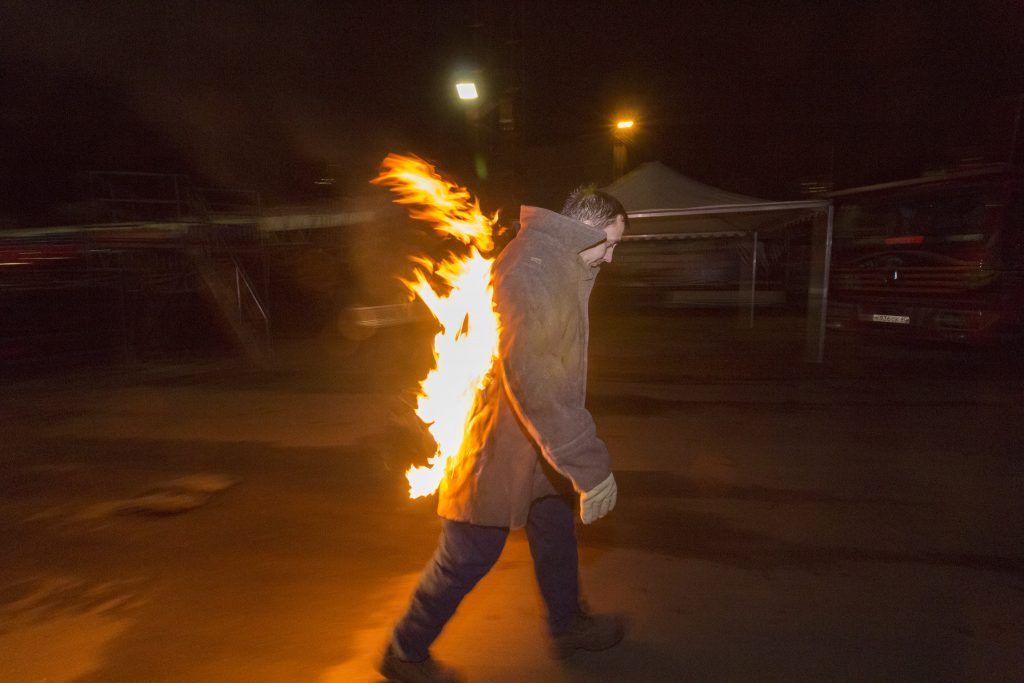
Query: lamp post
[(620, 137), (491, 108), (469, 97)]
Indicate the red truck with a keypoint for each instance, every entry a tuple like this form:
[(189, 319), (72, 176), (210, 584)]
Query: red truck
[(939, 257)]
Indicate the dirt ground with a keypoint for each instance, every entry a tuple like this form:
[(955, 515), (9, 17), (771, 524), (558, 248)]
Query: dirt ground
[(777, 521)]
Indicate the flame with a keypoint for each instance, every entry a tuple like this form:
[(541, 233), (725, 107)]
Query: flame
[(449, 208), (467, 343)]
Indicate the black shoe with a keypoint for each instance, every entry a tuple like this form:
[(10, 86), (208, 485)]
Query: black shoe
[(402, 671), (589, 632)]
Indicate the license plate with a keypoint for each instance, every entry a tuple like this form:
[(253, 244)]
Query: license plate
[(894, 319)]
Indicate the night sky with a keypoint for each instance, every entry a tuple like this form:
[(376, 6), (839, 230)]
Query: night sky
[(753, 97)]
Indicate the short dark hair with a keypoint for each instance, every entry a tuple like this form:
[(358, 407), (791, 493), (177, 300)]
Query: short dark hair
[(591, 206)]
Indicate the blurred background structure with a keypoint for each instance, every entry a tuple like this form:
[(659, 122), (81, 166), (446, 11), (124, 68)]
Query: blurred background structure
[(213, 163)]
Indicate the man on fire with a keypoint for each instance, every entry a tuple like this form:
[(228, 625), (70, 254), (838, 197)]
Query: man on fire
[(535, 444)]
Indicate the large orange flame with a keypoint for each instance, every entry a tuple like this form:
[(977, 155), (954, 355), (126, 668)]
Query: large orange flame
[(467, 344)]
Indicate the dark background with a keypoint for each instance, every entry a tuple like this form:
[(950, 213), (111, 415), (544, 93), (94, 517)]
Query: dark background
[(752, 97), (857, 519)]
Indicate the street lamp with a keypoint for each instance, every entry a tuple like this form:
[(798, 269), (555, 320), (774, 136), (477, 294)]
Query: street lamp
[(466, 90), (621, 134), (470, 100)]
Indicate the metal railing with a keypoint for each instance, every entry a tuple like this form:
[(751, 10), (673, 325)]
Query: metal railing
[(131, 195), (246, 292)]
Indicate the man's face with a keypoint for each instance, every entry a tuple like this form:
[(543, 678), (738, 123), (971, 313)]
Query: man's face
[(601, 253)]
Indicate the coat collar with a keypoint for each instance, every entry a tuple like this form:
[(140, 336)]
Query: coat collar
[(572, 234)]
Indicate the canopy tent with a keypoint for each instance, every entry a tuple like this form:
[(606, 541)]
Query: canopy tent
[(654, 186), (657, 194), (663, 204)]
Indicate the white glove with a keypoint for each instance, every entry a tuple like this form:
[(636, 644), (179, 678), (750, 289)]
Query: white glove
[(598, 501)]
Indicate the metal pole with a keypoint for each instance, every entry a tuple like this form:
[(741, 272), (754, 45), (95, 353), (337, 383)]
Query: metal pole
[(753, 281), (1016, 130), (125, 340), (618, 158), (817, 290), (238, 290), (177, 198)]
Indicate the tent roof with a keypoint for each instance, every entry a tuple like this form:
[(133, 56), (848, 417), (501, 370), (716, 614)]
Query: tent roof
[(664, 204), (654, 185)]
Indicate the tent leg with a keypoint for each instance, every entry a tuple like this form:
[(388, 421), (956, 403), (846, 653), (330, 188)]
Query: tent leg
[(753, 281), (817, 290)]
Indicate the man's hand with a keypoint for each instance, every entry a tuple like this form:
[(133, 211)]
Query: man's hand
[(598, 501)]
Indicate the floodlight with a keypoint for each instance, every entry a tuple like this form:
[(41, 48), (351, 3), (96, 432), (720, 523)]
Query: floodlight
[(466, 90)]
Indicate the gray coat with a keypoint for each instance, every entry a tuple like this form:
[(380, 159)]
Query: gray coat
[(530, 435)]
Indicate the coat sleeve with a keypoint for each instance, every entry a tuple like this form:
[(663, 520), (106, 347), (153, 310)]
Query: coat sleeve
[(545, 398)]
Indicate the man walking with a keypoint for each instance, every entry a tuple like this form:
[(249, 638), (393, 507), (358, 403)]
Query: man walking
[(535, 445)]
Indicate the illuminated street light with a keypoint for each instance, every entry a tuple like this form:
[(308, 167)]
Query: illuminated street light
[(622, 135), (466, 90), (475, 112)]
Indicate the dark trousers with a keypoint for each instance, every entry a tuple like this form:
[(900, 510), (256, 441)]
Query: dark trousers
[(466, 552)]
